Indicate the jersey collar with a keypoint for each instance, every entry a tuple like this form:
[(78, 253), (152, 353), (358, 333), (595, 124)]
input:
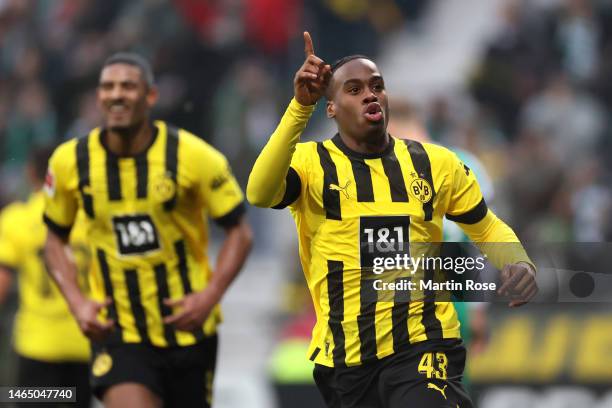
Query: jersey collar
[(337, 140)]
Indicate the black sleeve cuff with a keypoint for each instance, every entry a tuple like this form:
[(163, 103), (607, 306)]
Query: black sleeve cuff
[(62, 232), (472, 216), (292, 191), (233, 217)]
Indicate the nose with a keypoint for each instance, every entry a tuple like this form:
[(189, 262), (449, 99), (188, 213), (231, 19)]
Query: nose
[(370, 97)]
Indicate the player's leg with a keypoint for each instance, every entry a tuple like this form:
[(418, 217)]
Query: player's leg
[(427, 379), (189, 376), (130, 395), (35, 373), (127, 375)]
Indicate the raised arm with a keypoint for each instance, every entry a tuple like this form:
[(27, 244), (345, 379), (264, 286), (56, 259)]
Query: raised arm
[(267, 181)]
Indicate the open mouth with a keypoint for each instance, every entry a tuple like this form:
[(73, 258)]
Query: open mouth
[(373, 112)]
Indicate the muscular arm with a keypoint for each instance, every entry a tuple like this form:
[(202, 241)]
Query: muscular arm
[(6, 280), (63, 270), (267, 181)]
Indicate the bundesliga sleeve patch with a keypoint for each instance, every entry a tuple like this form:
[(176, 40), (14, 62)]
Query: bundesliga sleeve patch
[(49, 186)]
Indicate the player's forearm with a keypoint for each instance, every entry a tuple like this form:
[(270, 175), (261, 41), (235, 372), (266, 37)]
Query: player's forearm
[(234, 251), (63, 270), (266, 185), (497, 240), (6, 280)]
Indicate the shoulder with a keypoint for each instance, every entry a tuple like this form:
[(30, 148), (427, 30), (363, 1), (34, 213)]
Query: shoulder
[(64, 155), (440, 153), (12, 216), (197, 152)]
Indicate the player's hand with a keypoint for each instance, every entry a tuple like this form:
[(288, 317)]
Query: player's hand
[(518, 283), (312, 78), (86, 315), (193, 310)]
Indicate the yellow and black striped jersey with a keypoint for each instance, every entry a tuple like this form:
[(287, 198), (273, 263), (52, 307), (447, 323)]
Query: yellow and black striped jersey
[(146, 222), (344, 204), (44, 328)]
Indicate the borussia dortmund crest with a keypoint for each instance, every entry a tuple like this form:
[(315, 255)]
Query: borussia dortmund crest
[(102, 364), (164, 188), (421, 190)]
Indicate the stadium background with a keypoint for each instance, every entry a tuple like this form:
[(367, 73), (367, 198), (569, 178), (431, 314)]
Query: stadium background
[(526, 86)]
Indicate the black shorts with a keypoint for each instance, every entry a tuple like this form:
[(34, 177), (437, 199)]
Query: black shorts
[(180, 376), (426, 375), (35, 373)]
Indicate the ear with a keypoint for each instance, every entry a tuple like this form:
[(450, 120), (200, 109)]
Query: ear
[(330, 109), (152, 96)]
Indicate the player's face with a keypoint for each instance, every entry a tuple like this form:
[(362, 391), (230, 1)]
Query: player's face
[(358, 100), (124, 97)]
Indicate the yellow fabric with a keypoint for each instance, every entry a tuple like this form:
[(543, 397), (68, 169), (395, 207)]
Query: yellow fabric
[(331, 236), (160, 237), (44, 328), (267, 180)]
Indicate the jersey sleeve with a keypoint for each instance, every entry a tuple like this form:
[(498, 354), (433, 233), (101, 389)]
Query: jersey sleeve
[(219, 190), (61, 202), (297, 177), (466, 205), (9, 248)]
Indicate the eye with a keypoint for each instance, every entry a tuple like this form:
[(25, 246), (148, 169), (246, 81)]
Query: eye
[(353, 90), (378, 87)]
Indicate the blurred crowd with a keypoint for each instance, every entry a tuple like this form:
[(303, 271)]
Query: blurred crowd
[(224, 67), (537, 114), (540, 98)]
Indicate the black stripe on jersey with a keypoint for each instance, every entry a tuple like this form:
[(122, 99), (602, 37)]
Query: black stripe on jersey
[(335, 293), (433, 327), (393, 172), (113, 181), (82, 157), (172, 140), (422, 165), (142, 175), (292, 191), (179, 247), (108, 289), (181, 252), (363, 180), (472, 216), (366, 320), (331, 198), (161, 279), (140, 319), (399, 318), (315, 353)]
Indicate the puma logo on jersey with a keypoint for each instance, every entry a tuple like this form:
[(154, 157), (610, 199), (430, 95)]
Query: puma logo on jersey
[(344, 189), (435, 387)]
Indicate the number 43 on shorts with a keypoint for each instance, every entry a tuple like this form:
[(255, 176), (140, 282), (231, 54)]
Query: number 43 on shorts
[(433, 365)]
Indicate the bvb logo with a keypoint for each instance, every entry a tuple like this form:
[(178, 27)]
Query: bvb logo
[(164, 188), (421, 189), (102, 364)]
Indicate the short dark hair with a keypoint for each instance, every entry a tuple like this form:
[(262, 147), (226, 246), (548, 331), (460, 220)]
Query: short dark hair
[(338, 63), (346, 59), (134, 59)]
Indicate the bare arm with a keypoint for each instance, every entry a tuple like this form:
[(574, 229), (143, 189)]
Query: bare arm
[(6, 280), (64, 272), (196, 307)]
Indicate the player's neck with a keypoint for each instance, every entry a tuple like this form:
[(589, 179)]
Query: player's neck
[(372, 144), (131, 141)]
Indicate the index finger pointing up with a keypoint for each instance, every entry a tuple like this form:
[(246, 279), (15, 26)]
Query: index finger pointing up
[(308, 47)]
